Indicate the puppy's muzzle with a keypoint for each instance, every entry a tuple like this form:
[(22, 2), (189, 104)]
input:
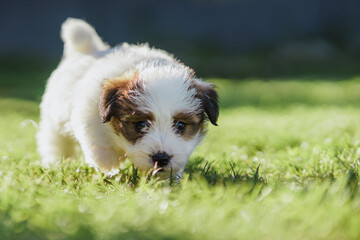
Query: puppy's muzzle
[(162, 159)]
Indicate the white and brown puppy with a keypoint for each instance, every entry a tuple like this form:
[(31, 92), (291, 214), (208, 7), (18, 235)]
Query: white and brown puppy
[(127, 101)]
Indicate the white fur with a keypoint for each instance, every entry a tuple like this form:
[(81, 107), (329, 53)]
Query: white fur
[(70, 105)]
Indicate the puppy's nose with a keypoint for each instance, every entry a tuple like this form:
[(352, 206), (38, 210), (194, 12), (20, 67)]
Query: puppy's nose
[(162, 158)]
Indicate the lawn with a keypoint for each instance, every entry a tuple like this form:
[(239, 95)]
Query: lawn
[(282, 164)]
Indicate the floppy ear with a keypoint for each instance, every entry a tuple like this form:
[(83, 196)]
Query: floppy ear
[(112, 92), (210, 100), (108, 102)]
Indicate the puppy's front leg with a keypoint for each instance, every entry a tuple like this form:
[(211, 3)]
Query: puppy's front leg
[(95, 143), (100, 156)]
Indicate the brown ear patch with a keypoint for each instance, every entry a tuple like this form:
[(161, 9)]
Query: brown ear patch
[(114, 93), (209, 98), (118, 108)]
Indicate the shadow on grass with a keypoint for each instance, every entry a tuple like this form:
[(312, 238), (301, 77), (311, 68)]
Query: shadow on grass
[(231, 175), (196, 170)]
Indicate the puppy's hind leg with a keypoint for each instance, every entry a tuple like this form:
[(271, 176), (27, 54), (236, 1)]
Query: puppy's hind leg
[(52, 145)]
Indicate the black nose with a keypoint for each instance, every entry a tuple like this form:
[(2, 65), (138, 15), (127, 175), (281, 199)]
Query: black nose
[(162, 158)]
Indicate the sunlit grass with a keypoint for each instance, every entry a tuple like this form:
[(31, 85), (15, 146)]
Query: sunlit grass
[(283, 164)]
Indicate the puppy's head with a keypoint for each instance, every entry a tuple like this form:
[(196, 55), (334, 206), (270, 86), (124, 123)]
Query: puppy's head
[(159, 113)]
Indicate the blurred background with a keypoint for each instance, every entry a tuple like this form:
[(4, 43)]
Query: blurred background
[(220, 38)]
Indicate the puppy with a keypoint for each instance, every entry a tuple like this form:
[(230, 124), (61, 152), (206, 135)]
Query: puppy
[(128, 101)]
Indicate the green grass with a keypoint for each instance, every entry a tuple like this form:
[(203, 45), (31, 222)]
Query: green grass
[(283, 164)]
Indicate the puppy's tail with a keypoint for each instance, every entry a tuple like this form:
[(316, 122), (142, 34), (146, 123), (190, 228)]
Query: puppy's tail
[(79, 37)]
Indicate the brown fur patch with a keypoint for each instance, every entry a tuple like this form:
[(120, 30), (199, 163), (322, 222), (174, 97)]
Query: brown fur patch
[(194, 124), (112, 92), (126, 125), (117, 107)]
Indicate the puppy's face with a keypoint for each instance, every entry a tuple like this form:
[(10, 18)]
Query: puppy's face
[(160, 115)]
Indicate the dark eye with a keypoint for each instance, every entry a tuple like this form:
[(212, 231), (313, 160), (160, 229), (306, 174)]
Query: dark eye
[(140, 126), (180, 126)]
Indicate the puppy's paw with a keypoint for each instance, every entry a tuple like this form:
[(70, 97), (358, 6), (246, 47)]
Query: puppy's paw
[(104, 159)]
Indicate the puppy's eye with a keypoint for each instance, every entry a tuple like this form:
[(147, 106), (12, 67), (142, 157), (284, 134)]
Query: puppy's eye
[(179, 127), (140, 126)]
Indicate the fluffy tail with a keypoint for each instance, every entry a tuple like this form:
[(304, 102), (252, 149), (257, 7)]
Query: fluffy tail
[(79, 37)]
